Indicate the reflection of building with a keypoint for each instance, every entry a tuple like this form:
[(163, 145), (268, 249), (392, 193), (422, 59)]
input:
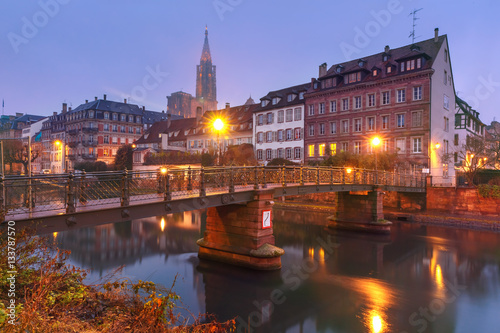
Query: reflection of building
[(184, 104), (404, 95)]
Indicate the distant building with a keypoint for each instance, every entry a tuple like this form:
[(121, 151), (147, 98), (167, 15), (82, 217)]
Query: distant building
[(405, 96), (184, 104), (11, 127), (279, 125)]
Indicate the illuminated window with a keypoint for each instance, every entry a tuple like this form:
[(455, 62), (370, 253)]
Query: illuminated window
[(322, 148), (333, 149), (310, 150)]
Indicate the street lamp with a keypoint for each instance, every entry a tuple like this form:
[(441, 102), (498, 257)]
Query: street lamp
[(375, 144), (63, 157), (218, 126)]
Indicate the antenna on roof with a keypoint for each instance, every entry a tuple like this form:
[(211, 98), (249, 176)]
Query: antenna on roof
[(415, 18)]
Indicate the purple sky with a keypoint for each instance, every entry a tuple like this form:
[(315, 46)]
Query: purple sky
[(81, 49)]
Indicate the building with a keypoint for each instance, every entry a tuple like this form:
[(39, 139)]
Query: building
[(11, 127), (279, 125), (404, 96), (237, 129), (184, 104)]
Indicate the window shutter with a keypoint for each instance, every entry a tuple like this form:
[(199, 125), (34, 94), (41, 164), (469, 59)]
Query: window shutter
[(274, 136), (274, 153), (302, 133), (302, 153)]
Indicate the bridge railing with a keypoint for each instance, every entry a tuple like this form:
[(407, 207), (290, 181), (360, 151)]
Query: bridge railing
[(70, 192)]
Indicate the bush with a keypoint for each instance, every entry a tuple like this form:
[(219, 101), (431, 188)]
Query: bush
[(207, 159), (91, 166), (280, 162), (489, 191)]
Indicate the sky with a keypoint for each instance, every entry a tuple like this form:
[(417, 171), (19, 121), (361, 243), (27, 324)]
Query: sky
[(69, 51)]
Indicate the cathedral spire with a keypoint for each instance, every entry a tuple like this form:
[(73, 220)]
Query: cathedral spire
[(205, 54)]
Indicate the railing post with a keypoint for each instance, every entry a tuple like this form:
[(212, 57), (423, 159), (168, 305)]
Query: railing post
[(283, 176), (190, 185), (264, 182), (354, 173), (256, 180), (231, 179), (376, 177), (317, 176), (70, 204), (82, 197), (125, 199), (331, 175), (343, 176), (203, 193), (3, 211), (364, 177), (159, 177), (168, 195), (301, 175)]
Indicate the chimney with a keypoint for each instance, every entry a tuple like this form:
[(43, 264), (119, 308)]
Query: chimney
[(386, 49), (86, 101), (19, 114), (322, 69), (228, 106), (143, 108), (54, 113), (69, 109), (64, 107), (96, 98), (125, 101), (104, 97), (436, 34)]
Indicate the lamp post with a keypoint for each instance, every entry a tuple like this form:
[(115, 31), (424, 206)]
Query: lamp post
[(218, 126), (63, 158), (375, 144)]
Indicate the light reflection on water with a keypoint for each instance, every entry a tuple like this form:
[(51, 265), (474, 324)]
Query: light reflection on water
[(329, 282)]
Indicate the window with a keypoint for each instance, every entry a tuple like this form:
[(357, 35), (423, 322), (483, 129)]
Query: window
[(371, 100), (288, 153), (345, 147), (353, 77), (385, 145), (297, 153), (260, 137), (310, 150), (259, 154), (311, 110), (91, 114), (345, 126), (106, 139), (280, 135), (301, 95), (321, 108), (269, 154), (386, 97), (115, 128), (419, 62), (106, 115), (401, 120), (130, 119), (115, 140), (333, 149), (322, 129), (276, 100), (131, 130), (333, 106), (263, 103), (281, 116), (416, 119), (445, 55), (289, 115), (417, 93), (122, 129), (357, 147), (115, 116), (388, 69), (410, 65), (455, 140), (333, 127), (322, 149), (345, 104), (417, 145), (445, 79), (288, 133), (446, 124), (297, 114), (357, 125), (123, 117), (138, 119), (446, 102), (311, 130), (260, 119), (375, 72), (401, 145), (297, 133), (106, 127), (290, 97), (401, 94), (357, 102), (269, 136), (403, 66), (280, 153), (370, 123), (270, 118)]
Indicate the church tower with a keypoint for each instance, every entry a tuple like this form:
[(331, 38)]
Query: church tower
[(206, 89)]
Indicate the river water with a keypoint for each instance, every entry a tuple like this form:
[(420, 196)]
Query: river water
[(418, 279)]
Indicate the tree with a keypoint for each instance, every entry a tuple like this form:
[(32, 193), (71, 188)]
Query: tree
[(240, 155), (493, 144), (15, 151), (474, 156), (91, 166), (123, 158)]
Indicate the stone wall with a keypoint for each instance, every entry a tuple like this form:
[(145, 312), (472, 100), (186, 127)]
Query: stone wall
[(461, 201)]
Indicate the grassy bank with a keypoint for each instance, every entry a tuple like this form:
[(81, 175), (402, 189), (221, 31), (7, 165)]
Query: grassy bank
[(46, 294)]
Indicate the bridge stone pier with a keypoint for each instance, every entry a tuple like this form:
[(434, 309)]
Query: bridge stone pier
[(242, 234)]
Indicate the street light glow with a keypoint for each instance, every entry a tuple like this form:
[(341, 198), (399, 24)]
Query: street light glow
[(348, 170), (58, 142), (218, 124), (376, 141), (163, 170), (437, 145)]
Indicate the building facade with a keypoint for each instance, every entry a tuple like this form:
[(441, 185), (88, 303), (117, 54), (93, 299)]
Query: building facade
[(184, 104), (404, 96), (279, 125)]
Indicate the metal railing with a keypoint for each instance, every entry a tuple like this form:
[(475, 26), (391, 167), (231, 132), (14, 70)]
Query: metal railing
[(71, 192)]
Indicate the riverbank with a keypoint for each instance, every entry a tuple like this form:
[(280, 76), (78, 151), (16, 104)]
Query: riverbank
[(430, 217)]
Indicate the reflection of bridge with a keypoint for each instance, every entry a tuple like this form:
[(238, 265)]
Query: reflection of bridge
[(244, 231)]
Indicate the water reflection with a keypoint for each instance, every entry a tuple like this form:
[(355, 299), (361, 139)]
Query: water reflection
[(417, 279)]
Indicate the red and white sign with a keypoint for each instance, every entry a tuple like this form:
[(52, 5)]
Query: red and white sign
[(266, 219)]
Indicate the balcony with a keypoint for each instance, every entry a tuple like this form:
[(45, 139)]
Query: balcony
[(72, 132), (72, 144), (89, 129), (89, 143), (89, 157), (72, 157)]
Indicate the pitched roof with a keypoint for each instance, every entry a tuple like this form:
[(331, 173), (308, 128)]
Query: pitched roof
[(177, 127), (236, 115), (26, 118), (283, 95)]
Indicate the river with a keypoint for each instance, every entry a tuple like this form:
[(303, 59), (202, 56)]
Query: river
[(418, 279)]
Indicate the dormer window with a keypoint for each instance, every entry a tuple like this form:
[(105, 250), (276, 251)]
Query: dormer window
[(385, 57), (291, 97), (301, 95), (339, 68), (352, 78), (361, 63), (415, 47), (315, 85), (375, 72), (264, 103), (388, 69), (276, 100)]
